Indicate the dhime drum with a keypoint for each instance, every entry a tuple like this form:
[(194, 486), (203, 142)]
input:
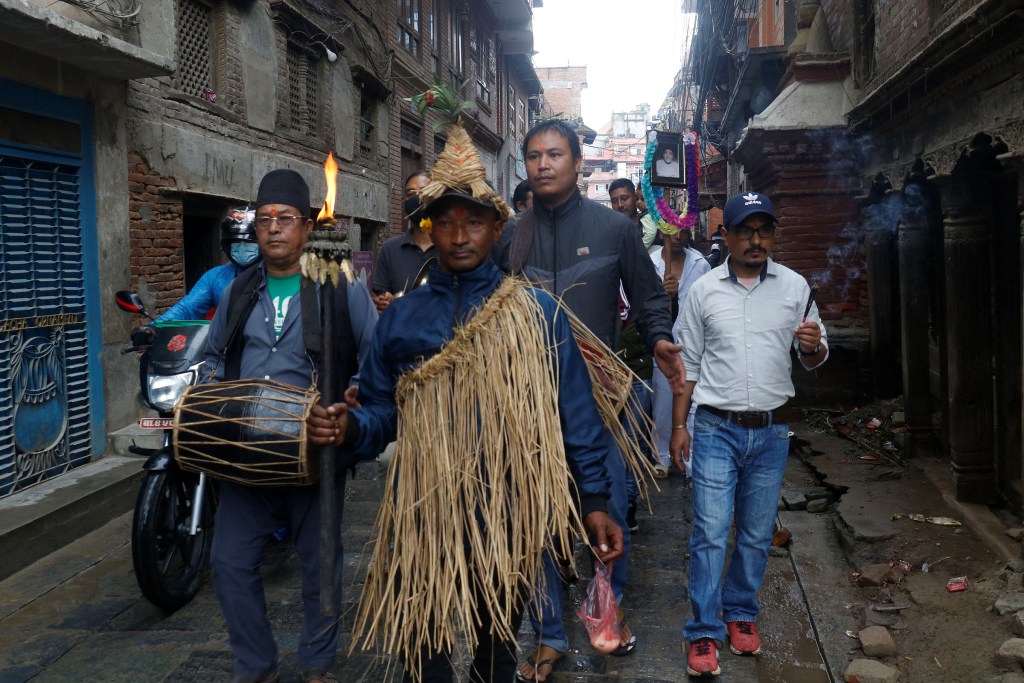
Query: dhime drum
[(252, 432)]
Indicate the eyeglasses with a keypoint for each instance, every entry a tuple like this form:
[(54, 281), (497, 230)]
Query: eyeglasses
[(285, 221), (745, 232)]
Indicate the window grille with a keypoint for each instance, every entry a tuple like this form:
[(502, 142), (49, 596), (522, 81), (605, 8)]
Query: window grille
[(438, 144), (411, 133), (366, 125), (194, 72), (303, 91)]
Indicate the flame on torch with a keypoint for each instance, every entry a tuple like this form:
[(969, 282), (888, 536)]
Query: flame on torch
[(331, 175)]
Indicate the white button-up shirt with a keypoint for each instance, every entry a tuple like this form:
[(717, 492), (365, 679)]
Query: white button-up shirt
[(736, 342)]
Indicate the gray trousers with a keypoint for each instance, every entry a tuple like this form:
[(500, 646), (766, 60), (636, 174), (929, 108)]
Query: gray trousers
[(247, 517)]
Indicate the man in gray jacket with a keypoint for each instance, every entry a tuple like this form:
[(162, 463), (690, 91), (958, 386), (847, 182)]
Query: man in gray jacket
[(581, 251), (270, 345)]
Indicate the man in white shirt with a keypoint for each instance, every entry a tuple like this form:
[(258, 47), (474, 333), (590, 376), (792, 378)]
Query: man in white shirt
[(667, 166), (740, 324)]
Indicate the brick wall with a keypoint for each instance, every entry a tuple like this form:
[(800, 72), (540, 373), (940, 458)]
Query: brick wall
[(155, 239), (563, 90), (900, 29), (813, 181), (839, 17)]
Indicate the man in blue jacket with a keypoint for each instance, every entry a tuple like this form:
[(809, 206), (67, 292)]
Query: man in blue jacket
[(238, 240), (421, 328)]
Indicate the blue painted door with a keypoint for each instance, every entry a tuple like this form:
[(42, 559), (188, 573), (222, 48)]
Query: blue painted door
[(47, 419)]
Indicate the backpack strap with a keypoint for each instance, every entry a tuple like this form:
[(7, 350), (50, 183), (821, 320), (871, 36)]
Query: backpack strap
[(522, 242)]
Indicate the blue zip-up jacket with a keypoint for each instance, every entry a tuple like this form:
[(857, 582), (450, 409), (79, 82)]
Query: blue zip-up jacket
[(415, 327), (204, 295)]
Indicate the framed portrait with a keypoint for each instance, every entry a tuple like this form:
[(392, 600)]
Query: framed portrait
[(667, 169)]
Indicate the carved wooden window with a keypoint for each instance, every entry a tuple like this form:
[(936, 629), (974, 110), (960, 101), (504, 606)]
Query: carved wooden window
[(367, 125), (303, 69), (195, 73)]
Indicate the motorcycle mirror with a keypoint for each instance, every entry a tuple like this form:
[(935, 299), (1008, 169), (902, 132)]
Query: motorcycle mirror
[(131, 302)]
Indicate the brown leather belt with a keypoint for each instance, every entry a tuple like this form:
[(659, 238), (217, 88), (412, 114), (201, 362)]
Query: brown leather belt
[(753, 419)]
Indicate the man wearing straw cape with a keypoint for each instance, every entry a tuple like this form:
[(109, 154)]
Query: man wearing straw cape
[(481, 381), (269, 344)]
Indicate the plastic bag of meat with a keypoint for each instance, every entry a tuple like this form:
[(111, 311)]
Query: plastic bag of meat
[(599, 611)]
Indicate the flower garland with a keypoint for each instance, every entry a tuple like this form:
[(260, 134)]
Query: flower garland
[(667, 220)]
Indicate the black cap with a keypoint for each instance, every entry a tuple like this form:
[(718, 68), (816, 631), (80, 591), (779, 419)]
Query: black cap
[(435, 206), (284, 186), (746, 204)]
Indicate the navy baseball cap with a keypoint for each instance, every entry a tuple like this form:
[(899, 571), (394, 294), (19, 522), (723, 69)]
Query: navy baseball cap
[(747, 204)]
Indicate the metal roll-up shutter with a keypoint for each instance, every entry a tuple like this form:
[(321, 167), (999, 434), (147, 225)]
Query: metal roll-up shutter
[(44, 362)]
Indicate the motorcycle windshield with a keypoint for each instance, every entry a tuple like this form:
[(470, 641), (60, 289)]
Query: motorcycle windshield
[(177, 346)]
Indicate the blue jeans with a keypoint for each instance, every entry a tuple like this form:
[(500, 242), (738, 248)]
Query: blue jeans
[(546, 606), (737, 475), (640, 409)]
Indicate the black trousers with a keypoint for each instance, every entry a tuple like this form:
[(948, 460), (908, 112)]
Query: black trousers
[(494, 661)]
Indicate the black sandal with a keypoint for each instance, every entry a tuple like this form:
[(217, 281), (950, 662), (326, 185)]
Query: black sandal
[(549, 662), (627, 648)]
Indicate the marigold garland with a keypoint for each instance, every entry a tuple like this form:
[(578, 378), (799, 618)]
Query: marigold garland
[(667, 220)]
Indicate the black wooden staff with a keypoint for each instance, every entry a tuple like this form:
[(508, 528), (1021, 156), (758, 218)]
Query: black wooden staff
[(325, 258)]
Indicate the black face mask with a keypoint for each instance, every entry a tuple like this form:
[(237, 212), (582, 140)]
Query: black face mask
[(412, 206)]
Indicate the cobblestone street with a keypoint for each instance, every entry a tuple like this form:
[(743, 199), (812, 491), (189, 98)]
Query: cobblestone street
[(78, 614)]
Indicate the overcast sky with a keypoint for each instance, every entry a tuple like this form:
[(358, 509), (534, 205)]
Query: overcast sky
[(631, 48)]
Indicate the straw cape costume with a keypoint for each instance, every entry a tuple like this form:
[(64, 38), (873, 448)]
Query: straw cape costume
[(481, 380)]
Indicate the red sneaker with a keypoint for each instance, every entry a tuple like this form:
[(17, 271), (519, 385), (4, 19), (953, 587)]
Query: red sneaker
[(743, 638), (702, 659)]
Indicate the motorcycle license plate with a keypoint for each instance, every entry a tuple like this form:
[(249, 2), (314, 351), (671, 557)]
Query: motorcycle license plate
[(156, 422)]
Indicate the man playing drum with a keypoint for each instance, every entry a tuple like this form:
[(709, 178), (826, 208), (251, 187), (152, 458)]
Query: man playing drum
[(267, 343)]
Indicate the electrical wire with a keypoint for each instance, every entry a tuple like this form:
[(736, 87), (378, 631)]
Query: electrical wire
[(117, 13)]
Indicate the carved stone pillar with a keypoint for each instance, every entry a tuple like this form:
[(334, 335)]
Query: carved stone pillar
[(880, 217), (914, 243), (967, 247)]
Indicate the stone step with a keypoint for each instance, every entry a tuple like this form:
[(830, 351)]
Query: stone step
[(46, 517)]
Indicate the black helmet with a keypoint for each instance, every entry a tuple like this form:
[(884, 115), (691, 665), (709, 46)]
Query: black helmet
[(238, 226)]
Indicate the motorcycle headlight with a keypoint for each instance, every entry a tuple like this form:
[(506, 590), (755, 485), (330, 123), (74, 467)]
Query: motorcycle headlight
[(165, 390)]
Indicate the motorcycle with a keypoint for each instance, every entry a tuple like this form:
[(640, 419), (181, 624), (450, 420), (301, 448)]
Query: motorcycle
[(172, 529)]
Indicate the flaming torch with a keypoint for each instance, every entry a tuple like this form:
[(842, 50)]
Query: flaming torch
[(323, 259)]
